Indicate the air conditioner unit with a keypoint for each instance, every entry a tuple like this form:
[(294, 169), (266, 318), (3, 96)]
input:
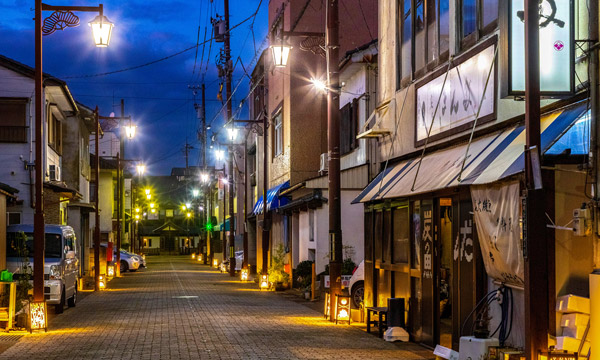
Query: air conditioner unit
[(324, 163), (54, 173)]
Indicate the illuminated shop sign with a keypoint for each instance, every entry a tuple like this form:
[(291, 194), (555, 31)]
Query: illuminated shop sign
[(556, 48)]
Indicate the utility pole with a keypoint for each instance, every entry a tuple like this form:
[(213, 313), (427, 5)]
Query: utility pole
[(229, 118), (535, 249), (266, 227), (121, 184), (333, 131), (119, 206), (206, 248), (97, 215)]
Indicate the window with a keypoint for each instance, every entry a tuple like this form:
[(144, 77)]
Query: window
[(423, 32), (401, 245), (278, 134), (311, 225), (349, 127), (55, 133), (13, 218), (478, 18), (12, 120)]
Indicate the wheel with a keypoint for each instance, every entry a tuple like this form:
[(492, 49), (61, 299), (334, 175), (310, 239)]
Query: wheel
[(73, 299), (59, 308), (124, 266), (358, 293)]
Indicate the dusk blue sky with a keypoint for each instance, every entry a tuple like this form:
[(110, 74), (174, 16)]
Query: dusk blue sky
[(156, 96)]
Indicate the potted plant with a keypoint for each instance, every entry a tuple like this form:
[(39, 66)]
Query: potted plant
[(277, 274)]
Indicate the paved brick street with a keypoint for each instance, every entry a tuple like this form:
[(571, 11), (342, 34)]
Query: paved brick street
[(177, 309)]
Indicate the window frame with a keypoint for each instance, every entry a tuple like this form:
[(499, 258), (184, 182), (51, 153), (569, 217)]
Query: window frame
[(277, 138), (21, 128), (481, 31), (439, 57)]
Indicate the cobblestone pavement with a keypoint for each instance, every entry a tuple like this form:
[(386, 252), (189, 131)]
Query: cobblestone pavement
[(177, 309)]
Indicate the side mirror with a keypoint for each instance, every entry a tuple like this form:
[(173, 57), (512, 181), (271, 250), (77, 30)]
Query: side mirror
[(70, 254)]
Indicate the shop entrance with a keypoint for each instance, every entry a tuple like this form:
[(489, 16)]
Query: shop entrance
[(451, 271)]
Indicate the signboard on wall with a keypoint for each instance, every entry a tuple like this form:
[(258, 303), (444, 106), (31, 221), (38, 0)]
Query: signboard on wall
[(557, 56), (460, 96)]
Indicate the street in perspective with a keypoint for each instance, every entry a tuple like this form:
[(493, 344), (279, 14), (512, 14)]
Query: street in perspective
[(300, 179)]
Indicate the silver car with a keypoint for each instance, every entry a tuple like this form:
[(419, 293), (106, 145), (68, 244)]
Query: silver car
[(61, 266)]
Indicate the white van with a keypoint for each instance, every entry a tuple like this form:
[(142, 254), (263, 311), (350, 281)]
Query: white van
[(61, 266)]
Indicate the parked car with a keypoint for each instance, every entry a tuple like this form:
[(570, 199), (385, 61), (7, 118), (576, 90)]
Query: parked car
[(61, 266), (140, 258), (357, 285), (128, 262), (239, 259)]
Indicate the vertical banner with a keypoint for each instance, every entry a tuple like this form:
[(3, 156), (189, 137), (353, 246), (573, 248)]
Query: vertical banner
[(496, 211)]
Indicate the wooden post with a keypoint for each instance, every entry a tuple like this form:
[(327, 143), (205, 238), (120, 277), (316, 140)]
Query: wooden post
[(313, 283)]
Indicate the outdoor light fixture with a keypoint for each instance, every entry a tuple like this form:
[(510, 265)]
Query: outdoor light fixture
[(224, 181), (147, 191), (101, 30), (220, 154), (193, 256), (148, 196), (200, 208), (244, 275), (189, 215), (327, 306), (130, 131), (232, 132), (110, 270), (319, 84), (183, 207), (137, 216), (141, 168), (153, 211), (204, 177), (199, 257), (264, 281), (151, 205), (38, 319), (281, 54), (195, 192), (342, 311), (188, 205), (137, 210), (216, 263), (102, 282)]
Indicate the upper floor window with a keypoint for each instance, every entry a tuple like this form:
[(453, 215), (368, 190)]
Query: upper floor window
[(55, 133), (278, 134), (349, 127), (423, 32), (13, 120), (478, 18)]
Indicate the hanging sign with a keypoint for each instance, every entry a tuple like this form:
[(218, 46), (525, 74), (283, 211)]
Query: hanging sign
[(557, 52), (458, 99), (496, 214)]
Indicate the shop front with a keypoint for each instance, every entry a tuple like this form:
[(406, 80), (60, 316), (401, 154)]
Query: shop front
[(444, 229)]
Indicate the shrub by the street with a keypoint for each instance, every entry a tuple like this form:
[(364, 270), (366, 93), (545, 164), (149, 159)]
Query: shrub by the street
[(277, 273), (303, 274), (348, 267)]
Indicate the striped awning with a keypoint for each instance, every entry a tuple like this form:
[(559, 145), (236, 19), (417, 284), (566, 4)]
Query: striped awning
[(273, 199), (490, 158)]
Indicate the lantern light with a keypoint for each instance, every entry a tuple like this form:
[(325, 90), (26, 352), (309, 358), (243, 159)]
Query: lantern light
[(216, 263), (200, 257), (102, 282), (195, 192), (244, 275), (141, 168), (184, 207), (281, 54), (110, 270), (153, 211), (189, 215), (232, 132), (151, 205), (264, 281), (319, 84), (147, 191), (101, 30), (137, 210), (148, 196), (188, 205), (193, 256), (204, 177), (220, 154), (38, 318), (327, 305), (342, 312)]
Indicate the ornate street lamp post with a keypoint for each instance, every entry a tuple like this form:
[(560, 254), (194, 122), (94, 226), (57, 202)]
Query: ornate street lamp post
[(61, 18)]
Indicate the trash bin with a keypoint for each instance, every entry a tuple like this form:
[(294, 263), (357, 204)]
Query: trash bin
[(395, 313)]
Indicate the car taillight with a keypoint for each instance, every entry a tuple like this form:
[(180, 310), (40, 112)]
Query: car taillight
[(353, 271)]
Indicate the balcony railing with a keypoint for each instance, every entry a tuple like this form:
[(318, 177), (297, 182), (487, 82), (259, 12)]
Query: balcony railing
[(13, 134)]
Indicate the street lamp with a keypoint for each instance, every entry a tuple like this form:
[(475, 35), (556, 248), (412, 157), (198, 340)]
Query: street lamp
[(232, 132), (48, 27), (220, 154), (101, 30), (195, 193), (204, 177), (141, 168), (280, 53), (130, 131), (319, 84)]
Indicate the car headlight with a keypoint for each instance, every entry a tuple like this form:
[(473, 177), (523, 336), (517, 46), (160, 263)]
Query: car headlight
[(55, 272)]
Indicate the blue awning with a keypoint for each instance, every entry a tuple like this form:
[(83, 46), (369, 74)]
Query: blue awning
[(224, 226), (274, 201), (490, 158)]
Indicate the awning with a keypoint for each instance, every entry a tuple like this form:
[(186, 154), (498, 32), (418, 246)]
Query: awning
[(273, 199), (224, 226), (491, 158)]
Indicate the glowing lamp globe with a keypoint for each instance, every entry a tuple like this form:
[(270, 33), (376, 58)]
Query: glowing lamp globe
[(101, 30), (281, 54)]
